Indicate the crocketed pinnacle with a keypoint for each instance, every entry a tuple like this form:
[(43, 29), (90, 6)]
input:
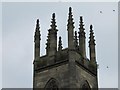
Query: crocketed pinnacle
[(92, 40), (37, 40), (81, 29), (53, 25), (76, 40), (60, 44), (70, 19), (52, 33), (37, 31)]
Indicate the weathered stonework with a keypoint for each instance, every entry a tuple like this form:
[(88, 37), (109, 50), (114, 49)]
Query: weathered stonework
[(65, 68)]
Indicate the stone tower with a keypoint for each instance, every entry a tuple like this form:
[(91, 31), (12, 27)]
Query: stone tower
[(69, 67)]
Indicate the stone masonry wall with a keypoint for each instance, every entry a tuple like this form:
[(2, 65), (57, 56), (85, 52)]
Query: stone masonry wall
[(83, 75), (60, 73)]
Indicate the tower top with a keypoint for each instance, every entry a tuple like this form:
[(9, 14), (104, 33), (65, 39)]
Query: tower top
[(77, 70), (76, 43)]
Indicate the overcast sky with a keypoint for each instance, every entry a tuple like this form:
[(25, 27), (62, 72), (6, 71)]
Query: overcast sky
[(18, 26)]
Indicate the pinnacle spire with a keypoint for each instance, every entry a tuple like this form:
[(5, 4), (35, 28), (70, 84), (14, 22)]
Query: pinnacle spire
[(37, 40), (52, 37), (82, 40), (91, 27), (92, 40), (70, 10), (82, 32), (37, 21), (37, 31), (70, 29), (53, 25), (37, 25), (93, 63), (60, 44), (70, 19)]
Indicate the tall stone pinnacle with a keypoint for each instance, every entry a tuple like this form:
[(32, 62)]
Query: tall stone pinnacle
[(70, 19), (92, 40), (93, 64), (70, 29), (37, 40), (82, 38), (81, 29), (37, 31), (53, 25), (52, 37)]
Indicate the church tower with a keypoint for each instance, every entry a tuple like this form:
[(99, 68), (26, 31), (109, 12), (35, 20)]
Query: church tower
[(69, 67)]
